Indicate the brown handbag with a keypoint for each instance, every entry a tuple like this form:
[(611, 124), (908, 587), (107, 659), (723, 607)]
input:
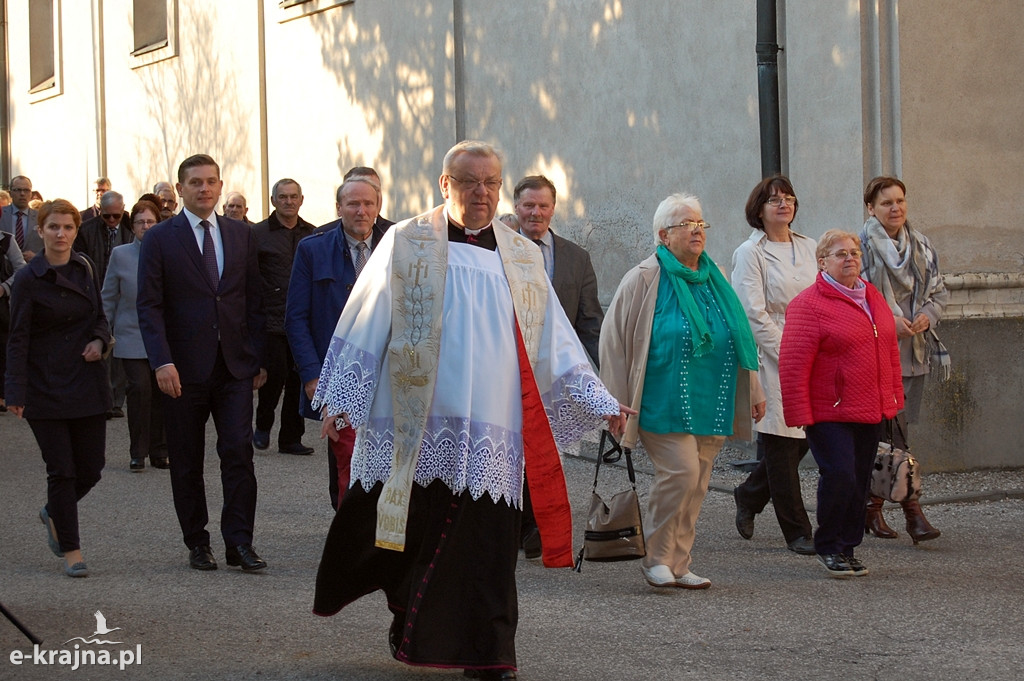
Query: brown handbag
[(614, 528)]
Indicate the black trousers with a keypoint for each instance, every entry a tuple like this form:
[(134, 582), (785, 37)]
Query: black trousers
[(777, 479), (145, 411), (281, 376), (73, 450), (845, 453), (229, 401)]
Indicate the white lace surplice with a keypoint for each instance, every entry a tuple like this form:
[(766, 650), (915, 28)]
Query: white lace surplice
[(473, 437)]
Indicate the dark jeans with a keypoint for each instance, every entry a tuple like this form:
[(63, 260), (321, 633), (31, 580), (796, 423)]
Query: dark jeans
[(281, 375), (145, 411), (229, 401), (777, 478), (845, 453), (73, 450)]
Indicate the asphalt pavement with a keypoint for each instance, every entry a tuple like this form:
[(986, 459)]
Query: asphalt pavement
[(950, 609)]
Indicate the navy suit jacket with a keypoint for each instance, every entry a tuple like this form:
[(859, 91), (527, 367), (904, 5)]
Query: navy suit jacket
[(182, 318), (322, 278)]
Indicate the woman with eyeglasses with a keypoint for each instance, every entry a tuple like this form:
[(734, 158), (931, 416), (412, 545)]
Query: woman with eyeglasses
[(672, 344), (839, 367), (55, 379), (768, 270), (120, 287), (903, 265)]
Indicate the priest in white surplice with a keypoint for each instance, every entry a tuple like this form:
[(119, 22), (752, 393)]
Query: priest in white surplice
[(456, 365)]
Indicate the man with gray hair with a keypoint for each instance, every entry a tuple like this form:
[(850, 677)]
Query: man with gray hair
[(168, 199), (236, 207), (277, 237), (97, 238), (325, 270), (455, 364), (102, 186)]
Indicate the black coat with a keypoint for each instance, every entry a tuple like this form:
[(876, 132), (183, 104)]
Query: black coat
[(276, 245), (53, 317)]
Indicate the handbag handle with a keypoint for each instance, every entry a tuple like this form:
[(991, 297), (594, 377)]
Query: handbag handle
[(888, 432), (606, 456)]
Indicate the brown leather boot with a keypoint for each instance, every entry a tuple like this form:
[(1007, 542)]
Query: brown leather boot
[(874, 521), (918, 526)]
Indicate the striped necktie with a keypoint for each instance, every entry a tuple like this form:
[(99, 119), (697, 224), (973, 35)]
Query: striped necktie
[(19, 230), (360, 257)]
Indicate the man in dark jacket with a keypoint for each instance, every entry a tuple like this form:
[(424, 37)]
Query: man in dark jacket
[(96, 238), (277, 237)]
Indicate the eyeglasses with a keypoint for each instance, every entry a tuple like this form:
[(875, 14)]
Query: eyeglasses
[(777, 201), (844, 254), (141, 223), (692, 225), (490, 185), (21, 189), (111, 216)]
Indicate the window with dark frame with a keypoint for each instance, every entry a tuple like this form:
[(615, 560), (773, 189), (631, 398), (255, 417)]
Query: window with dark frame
[(42, 55), (150, 25)]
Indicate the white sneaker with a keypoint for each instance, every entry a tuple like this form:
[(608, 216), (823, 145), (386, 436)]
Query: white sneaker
[(692, 581), (659, 575)]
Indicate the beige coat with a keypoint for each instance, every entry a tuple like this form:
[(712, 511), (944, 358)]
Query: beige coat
[(766, 278), (626, 340)]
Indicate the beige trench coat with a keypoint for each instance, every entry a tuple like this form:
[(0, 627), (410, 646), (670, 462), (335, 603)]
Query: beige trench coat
[(766, 278), (626, 340)]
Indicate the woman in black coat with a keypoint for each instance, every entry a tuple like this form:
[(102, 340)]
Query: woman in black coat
[(54, 377)]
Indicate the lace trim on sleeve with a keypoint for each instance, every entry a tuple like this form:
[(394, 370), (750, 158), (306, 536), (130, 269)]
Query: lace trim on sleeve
[(576, 403), (348, 381)]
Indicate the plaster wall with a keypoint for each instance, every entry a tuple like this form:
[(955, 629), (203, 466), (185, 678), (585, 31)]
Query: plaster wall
[(962, 132)]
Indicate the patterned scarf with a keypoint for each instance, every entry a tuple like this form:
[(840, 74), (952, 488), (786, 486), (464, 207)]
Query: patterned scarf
[(735, 318), (903, 267)]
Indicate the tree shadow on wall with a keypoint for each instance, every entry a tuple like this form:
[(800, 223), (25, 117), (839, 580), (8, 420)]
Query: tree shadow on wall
[(193, 106)]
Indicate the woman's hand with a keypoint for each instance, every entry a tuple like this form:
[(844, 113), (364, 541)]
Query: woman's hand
[(758, 410), (921, 324), (15, 409), (617, 422), (903, 328), (93, 350)]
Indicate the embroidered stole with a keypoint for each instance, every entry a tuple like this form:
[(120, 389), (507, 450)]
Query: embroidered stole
[(419, 268)]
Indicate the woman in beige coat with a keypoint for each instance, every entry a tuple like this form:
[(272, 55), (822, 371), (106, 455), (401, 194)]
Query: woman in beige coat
[(768, 270), (673, 343)]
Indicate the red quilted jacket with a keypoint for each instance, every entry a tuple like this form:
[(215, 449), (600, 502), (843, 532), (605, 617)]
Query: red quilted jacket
[(834, 364)]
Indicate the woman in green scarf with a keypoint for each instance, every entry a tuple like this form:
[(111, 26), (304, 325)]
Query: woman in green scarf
[(672, 344)]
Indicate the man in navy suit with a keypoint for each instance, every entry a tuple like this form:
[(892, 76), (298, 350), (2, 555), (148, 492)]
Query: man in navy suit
[(200, 314), (323, 273)]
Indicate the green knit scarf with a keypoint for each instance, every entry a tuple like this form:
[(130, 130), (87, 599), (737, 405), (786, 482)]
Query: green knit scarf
[(735, 318)]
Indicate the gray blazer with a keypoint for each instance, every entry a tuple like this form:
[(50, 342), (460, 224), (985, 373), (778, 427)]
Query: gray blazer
[(33, 242), (120, 288), (576, 286)]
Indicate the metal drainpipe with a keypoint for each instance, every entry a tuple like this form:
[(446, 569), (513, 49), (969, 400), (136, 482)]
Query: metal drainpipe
[(768, 87), (5, 112), (459, 40), (261, 24), (100, 84)]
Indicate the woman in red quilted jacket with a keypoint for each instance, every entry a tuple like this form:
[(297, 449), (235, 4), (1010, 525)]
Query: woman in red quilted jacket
[(839, 368)]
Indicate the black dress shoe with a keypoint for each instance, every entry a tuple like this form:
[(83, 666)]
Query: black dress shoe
[(115, 413), (395, 636), (744, 517), (491, 674), (295, 448), (261, 439), (160, 462), (137, 465), (245, 557), (802, 545), (531, 544), (201, 558)]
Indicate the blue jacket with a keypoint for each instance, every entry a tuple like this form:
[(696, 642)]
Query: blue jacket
[(322, 278)]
